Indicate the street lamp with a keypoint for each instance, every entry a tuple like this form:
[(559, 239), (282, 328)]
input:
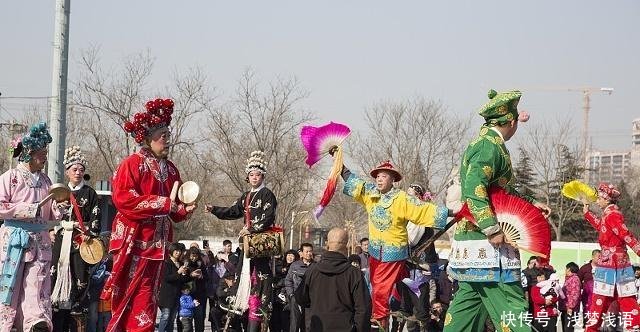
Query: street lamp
[(293, 216)]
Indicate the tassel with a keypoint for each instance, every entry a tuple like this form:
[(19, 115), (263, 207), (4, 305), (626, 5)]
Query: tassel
[(332, 182)]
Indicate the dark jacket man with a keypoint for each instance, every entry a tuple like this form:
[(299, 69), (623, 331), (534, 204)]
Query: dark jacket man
[(335, 291)]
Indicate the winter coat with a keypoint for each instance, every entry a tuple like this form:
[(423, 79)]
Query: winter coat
[(336, 294)]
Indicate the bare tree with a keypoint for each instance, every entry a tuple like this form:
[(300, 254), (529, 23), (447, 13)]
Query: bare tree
[(421, 137), (106, 97), (261, 119), (555, 160), (110, 96)]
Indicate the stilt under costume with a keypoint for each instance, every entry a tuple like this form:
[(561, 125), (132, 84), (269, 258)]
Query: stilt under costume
[(142, 227), (69, 273), (258, 207), (25, 246), (388, 215), (613, 276)]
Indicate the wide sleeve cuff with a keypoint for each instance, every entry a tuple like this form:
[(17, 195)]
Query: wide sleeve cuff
[(352, 186), (440, 220)]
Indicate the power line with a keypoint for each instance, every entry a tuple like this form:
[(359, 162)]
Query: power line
[(27, 97)]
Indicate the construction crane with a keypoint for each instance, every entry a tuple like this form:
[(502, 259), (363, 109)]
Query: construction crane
[(586, 108)]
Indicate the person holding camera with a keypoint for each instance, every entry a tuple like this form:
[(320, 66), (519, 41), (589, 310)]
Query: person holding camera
[(280, 319), (174, 277), (199, 290), (437, 313)]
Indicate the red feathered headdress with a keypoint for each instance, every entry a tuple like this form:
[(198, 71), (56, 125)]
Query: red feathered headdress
[(157, 114)]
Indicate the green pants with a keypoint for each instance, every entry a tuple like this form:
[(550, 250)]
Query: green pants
[(474, 301)]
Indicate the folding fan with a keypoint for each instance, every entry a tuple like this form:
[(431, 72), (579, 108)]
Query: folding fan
[(579, 191), (318, 142), (523, 224)]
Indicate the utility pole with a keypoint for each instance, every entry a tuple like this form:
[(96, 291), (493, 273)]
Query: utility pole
[(58, 115)]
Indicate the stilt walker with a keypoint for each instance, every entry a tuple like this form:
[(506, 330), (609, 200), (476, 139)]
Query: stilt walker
[(258, 208), (613, 277)]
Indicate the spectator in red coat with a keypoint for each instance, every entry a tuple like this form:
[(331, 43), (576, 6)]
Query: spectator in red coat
[(570, 305), (545, 313)]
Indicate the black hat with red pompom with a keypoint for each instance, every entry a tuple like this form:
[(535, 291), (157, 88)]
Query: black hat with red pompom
[(157, 114)]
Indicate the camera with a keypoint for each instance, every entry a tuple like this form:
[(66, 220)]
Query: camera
[(283, 298)]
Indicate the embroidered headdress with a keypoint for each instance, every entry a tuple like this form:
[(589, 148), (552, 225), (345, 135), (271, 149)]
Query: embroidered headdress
[(37, 138), (256, 162), (74, 155), (157, 114), (608, 192)]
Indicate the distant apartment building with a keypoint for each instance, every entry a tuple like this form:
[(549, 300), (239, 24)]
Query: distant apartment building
[(613, 167)]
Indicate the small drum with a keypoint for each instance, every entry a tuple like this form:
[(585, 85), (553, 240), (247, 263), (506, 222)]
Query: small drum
[(189, 193), (92, 251), (265, 244)]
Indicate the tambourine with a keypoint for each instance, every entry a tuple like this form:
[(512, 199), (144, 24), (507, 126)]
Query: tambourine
[(92, 251), (189, 193)]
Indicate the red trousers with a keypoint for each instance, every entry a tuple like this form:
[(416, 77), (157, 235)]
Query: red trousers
[(134, 285), (599, 304), (384, 276)]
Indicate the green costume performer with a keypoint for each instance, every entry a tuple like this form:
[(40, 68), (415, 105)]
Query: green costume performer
[(488, 275)]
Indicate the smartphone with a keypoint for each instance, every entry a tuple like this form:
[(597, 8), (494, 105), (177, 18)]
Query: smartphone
[(205, 244)]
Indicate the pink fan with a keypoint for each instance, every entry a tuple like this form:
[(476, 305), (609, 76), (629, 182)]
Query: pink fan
[(318, 142)]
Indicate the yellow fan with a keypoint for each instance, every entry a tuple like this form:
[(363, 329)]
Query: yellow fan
[(579, 191)]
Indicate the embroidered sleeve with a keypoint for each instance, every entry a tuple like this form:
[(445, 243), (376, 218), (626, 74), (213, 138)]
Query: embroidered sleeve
[(267, 218), (593, 220), (615, 221), (355, 188), (94, 220), (13, 210), (232, 212), (130, 200), (482, 164), (425, 214)]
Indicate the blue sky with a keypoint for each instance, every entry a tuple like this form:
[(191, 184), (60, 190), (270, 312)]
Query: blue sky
[(350, 55)]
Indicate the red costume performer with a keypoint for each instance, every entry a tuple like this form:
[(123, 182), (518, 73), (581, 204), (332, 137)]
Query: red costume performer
[(142, 227), (613, 278)]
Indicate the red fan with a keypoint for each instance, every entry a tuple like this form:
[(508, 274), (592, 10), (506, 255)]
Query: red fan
[(522, 223)]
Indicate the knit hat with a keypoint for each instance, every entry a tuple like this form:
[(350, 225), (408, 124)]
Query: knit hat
[(501, 108), (37, 138), (157, 114), (256, 162), (74, 155)]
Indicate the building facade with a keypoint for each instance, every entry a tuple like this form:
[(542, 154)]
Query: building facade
[(613, 167)]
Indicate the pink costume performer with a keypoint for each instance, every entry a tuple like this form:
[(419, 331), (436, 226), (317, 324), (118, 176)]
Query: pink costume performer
[(25, 246)]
